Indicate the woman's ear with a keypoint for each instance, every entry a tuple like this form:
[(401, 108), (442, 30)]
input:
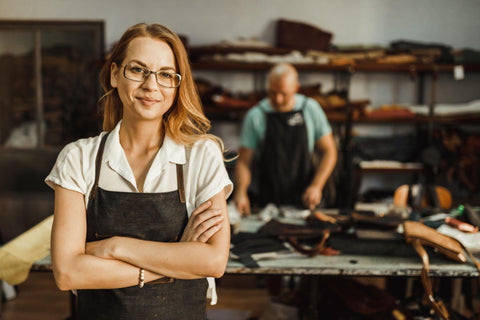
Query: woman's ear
[(113, 75)]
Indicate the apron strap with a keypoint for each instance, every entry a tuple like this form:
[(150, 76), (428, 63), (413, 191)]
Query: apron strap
[(98, 164), (180, 185)]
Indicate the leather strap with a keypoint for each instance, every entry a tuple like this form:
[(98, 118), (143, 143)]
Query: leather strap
[(162, 280), (438, 306), (317, 249), (180, 183), (98, 164)]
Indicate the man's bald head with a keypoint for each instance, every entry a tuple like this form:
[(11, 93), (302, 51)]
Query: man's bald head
[(283, 71), (282, 86)]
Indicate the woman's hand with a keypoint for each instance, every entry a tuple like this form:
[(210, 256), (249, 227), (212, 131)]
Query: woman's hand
[(203, 223)]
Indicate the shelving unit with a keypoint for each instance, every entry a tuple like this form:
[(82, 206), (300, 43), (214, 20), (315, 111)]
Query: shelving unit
[(343, 75)]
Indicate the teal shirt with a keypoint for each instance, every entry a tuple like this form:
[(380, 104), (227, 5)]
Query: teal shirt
[(254, 124)]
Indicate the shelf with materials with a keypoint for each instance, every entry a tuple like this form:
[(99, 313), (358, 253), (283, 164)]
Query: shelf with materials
[(346, 119), (316, 67), (343, 74)]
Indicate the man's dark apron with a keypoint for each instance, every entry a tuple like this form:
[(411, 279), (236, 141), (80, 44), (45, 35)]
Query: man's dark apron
[(285, 166), (149, 216)]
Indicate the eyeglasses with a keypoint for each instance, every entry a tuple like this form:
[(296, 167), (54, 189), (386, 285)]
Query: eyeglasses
[(140, 74)]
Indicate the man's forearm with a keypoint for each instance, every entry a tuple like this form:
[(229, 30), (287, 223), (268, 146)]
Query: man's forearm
[(243, 178), (324, 168)]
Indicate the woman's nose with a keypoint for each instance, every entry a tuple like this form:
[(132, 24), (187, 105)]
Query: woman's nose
[(151, 81)]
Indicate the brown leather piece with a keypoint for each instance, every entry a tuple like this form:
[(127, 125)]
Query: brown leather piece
[(446, 245), (301, 36), (181, 187), (418, 235), (162, 280)]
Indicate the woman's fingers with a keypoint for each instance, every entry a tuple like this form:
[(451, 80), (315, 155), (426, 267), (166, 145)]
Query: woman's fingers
[(204, 230), (203, 223), (201, 217), (204, 237), (208, 228), (204, 206)]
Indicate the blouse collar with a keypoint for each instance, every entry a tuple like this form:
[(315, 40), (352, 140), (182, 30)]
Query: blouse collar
[(115, 156)]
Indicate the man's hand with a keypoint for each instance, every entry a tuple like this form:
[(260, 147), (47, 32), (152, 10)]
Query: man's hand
[(312, 196), (203, 223), (242, 202)]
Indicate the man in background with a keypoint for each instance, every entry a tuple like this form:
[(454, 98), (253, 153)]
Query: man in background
[(281, 132)]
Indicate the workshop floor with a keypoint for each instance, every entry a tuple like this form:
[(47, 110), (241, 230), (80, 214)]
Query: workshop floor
[(39, 299)]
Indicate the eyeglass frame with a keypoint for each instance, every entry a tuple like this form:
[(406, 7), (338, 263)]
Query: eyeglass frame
[(146, 74)]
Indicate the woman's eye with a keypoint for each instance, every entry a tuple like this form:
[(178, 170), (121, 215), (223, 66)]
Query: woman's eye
[(166, 75), (136, 69)]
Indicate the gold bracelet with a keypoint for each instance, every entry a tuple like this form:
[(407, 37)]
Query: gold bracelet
[(141, 278)]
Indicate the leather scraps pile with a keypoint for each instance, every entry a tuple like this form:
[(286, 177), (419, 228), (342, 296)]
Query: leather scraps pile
[(366, 233), (466, 109), (302, 43), (334, 103), (217, 99), (460, 162)]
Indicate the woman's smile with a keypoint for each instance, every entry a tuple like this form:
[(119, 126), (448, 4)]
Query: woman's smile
[(146, 101)]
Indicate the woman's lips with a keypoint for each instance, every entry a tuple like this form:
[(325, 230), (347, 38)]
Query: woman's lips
[(148, 101)]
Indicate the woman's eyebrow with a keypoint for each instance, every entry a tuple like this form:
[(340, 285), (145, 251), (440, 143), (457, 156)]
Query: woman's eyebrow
[(145, 66)]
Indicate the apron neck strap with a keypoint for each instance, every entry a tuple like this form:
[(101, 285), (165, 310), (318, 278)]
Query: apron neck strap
[(180, 185), (98, 164)]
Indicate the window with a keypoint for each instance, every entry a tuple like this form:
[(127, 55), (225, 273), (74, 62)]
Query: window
[(49, 81)]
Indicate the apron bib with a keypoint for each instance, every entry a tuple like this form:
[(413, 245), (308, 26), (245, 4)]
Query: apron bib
[(285, 166), (148, 216)]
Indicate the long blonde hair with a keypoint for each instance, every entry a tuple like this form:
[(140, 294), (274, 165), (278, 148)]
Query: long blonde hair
[(185, 121)]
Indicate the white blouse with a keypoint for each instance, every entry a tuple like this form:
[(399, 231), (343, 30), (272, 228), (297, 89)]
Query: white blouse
[(203, 169)]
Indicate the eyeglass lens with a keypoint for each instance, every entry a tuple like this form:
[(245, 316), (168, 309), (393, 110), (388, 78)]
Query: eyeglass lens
[(164, 78)]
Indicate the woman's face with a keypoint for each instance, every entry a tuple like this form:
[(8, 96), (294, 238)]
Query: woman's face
[(145, 100)]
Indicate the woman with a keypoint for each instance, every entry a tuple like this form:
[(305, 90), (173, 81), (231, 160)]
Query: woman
[(140, 211)]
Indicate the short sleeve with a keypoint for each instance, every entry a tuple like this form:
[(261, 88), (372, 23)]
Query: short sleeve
[(251, 128), (67, 171), (207, 173), (321, 125)]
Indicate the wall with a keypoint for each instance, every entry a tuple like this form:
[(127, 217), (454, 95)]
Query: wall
[(205, 21), (371, 22)]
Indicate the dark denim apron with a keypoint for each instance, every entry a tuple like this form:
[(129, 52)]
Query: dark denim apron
[(149, 216), (286, 167)]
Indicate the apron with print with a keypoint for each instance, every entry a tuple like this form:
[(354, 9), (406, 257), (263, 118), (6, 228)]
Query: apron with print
[(148, 216), (285, 166)]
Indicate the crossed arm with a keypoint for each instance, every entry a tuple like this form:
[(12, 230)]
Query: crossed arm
[(114, 262)]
